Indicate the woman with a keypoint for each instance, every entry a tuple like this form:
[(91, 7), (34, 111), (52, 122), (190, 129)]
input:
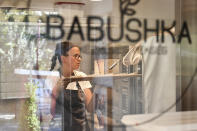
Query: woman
[(70, 98)]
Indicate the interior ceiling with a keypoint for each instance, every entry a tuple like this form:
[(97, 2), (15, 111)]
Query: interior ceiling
[(49, 4), (97, 7), (42, 4), (35, 4)]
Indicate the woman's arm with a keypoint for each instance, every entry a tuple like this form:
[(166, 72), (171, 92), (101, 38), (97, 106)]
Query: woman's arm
[(55, 92), (53, 100), (89, 99)]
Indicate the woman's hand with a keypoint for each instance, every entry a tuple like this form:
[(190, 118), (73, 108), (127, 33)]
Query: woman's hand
[(89, 99)]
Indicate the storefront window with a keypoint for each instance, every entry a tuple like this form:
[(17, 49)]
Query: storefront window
[(98, 65)]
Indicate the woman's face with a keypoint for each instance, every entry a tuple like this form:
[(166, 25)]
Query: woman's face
[(73, 60)]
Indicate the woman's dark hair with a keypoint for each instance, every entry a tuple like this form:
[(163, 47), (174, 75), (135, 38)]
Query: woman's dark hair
[(61, 49)]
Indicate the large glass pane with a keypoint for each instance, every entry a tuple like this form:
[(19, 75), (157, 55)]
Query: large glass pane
[(98, 65)]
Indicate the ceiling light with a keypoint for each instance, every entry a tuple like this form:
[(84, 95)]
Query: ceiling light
[(95, 0)]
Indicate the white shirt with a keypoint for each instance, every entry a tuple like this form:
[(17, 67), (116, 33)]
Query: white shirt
[(83, 84), (159, 75)]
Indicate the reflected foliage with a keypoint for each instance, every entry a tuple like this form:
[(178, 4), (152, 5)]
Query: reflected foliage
[(21, 43)]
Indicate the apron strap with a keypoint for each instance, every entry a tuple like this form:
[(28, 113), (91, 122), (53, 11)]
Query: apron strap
[(79, 87)]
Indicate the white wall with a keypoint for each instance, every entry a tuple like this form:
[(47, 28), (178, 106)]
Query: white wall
[(160, 9)]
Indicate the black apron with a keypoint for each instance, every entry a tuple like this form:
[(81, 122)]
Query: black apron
[(73, 111)]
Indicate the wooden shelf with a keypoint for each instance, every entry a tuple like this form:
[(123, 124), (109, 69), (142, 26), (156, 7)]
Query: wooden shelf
[(102, 77)]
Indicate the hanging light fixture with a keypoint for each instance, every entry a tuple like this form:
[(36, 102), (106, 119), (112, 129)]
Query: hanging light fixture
[(21, 4), (69, 8), (96, 0)]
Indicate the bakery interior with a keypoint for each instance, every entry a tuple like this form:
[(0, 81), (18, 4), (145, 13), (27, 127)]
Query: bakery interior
[(139, 83)]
